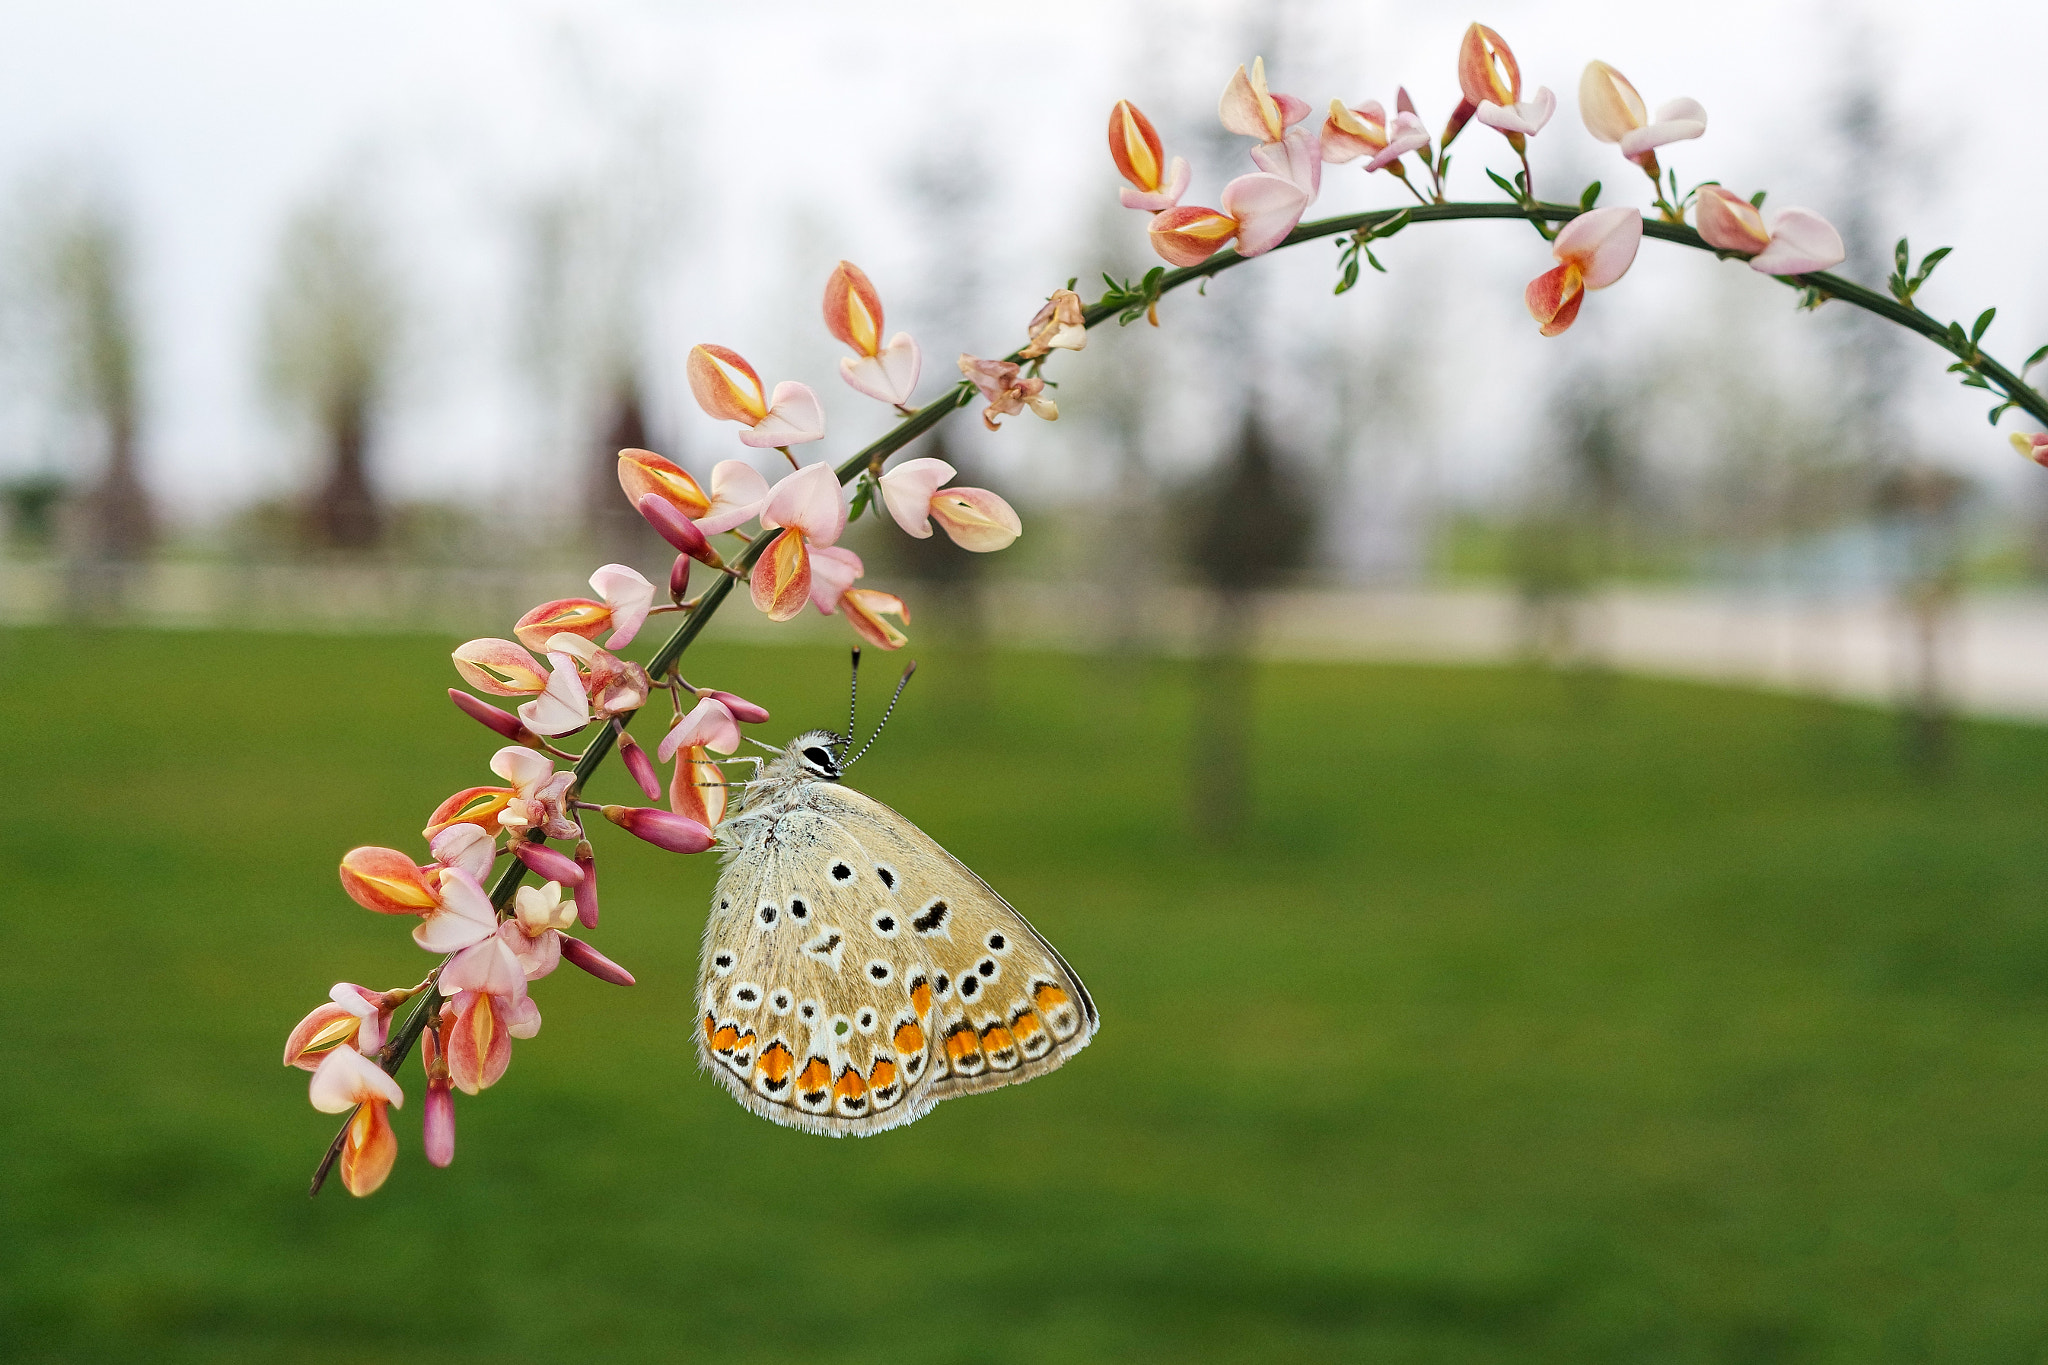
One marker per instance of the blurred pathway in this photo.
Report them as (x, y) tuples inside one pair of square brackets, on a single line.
[(1993, 652)]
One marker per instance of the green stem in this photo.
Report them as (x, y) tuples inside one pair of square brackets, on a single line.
[(872, 456)]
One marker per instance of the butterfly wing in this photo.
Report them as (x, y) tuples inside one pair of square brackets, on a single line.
[(855, 973)]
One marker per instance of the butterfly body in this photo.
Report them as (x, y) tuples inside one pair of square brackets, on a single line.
[(854, 973)]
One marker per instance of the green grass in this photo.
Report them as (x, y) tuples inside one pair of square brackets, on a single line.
[(1530, 1020)]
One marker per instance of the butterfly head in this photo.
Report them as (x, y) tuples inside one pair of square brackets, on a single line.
[(819, 753)]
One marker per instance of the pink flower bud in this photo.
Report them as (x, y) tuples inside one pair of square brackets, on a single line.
[(640, 765), (742, 710), (673, 527), (437, 1124), (663, 829), (679, 579), (556, 867), (586, 890), (477, 709), (597, 964)]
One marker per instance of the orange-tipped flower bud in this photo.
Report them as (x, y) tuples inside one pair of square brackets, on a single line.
[(853, 310), (1135, 147), (642, 472), (781, 580), (726, 386), (385, 880)]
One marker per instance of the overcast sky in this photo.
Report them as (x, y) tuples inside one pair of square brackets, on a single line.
[(781, 138)]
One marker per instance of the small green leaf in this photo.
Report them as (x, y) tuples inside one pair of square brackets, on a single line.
[(1902, 256), (1589, 196), (1756, 201), (1393, 225), (1999, 411), (1983, 324), (1506, 187), (2035, 359), (1975, 381)]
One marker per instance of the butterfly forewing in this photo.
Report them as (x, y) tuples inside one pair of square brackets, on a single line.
[(855, 973)]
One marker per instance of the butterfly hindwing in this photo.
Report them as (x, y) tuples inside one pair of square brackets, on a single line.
[(855, 973)]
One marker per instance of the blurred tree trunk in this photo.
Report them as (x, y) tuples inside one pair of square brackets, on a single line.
[(616, 531), (330, 337), (1250, 524), (113, 526)]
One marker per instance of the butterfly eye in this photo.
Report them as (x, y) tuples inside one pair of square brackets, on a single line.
[(818, 758)]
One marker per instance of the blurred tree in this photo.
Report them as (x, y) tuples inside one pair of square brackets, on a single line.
[(330, 335), (91, 284), (588, 259), (1571, 536), (1248, 522)]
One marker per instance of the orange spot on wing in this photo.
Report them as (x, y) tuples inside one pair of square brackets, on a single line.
[(996, 1038), (849, 1086), (776, 1062), (710, 1027), (725, 1039), (961, 1044), (816, 1076), (921, 1001), (1025, 1026), (909, 1039), (882, 1074), (1048, 996)]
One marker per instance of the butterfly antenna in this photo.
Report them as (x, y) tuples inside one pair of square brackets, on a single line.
[(853, 696), (901, 683)]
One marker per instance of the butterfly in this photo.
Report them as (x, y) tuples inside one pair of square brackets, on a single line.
[(854, 973)]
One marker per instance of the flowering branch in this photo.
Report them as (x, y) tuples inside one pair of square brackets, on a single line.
[(465, 1013)]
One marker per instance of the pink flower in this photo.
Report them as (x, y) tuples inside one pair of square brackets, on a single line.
[(833, 571), (1258, 212), (628, 598), (1614, 112), (534, 800), (806, 506), (642, 472), (727, 387), (1247, 107), (562, 709), (453, 909), (975, 518), (499, 667), (1059, 326), (864, 609), (614, 686), (1525, 118), (737, 492), (1793, 242), (1007, 389), (348, 1080), (1140, 159), (486, 988), (853, 314), (696, 787), (2034, 446), (534, 933), (1362, 130), (709, 725), (354, 1015), (1593, 251)]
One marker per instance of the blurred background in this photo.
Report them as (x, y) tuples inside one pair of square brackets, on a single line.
[(1554, 827)]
